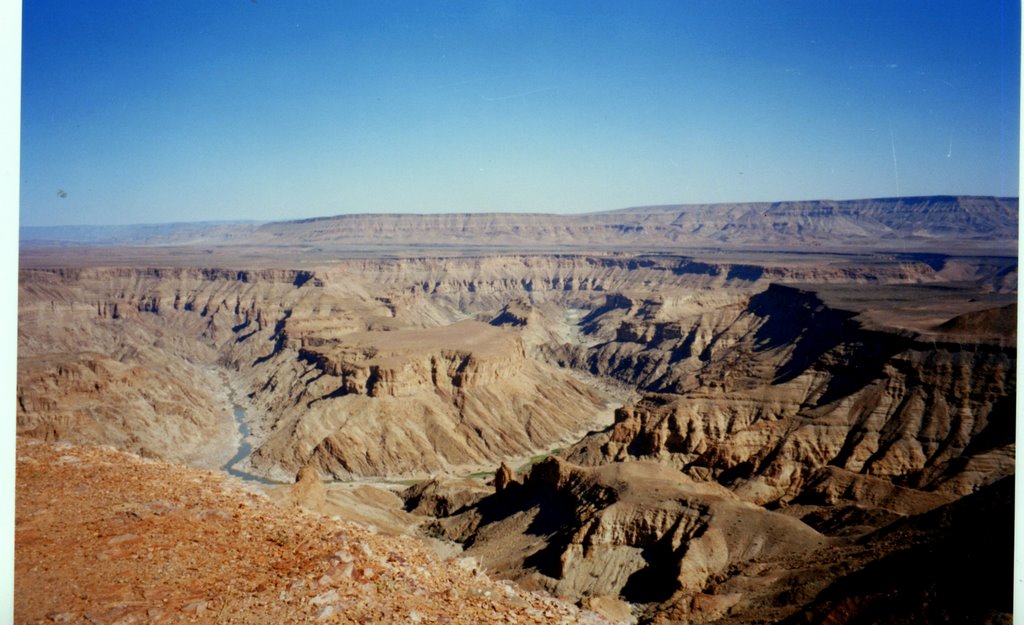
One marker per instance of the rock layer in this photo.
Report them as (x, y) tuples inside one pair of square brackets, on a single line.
[(637, 530), (756, 395)]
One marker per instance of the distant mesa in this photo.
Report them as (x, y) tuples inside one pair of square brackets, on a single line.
[(896, 224)]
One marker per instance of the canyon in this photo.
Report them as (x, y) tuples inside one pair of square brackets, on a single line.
[(701, 414)]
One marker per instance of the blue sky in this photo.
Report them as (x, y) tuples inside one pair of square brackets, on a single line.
[(141, 112)]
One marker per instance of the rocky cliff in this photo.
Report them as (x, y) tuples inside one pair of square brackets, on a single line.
[(757, 394), (328, 369), (416, 401), (684, 551), (639, 531)]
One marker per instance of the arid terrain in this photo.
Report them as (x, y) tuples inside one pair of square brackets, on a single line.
[(798, 412)]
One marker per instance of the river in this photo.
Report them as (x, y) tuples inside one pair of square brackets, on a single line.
[(244, 449)]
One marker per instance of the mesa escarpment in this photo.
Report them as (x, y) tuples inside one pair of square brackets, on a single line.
[(430, 399), (958, 223), (464, 355), (783, 407)]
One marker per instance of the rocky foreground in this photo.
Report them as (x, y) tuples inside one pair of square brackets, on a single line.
[(107, 537)]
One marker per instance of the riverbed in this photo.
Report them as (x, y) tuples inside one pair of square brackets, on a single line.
[(244, 449)]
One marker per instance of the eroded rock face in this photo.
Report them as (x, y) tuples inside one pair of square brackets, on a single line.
[(936, 560), (763, 394), (412, 401), (693, 552), (356, 379), (134, 358), (91, 368), (636, 530), (773, 399), (400, 363), (437, 498), (157, 409), (318, 351)]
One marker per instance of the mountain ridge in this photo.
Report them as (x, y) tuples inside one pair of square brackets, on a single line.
[(918, 223)]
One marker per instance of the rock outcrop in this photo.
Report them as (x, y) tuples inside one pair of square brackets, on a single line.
[(953, 564), (636, 530), (415, 401), (503, 478), (442, 498), (689, 552)]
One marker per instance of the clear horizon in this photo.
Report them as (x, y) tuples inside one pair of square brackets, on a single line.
[(149, 113), (413, 213)]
